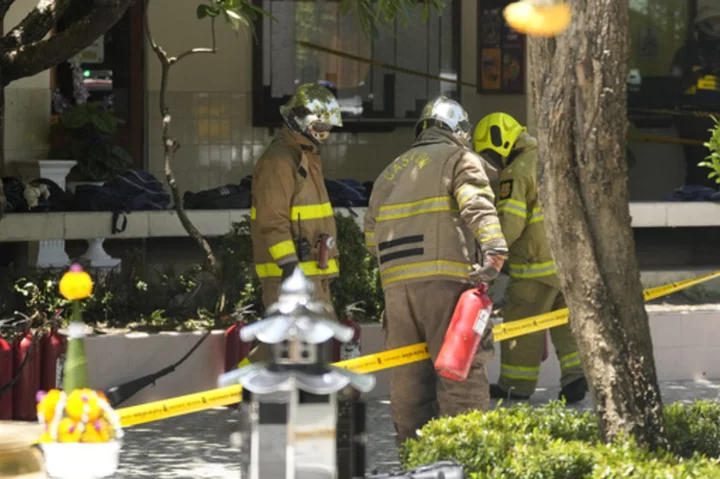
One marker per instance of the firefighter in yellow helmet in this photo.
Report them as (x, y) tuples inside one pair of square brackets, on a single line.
[(428, 210), (534, 287), (292, 222)]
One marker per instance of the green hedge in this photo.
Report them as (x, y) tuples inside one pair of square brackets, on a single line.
[(169, 299), (554, 442)]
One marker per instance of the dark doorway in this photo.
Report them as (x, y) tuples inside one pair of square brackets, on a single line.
[(114, 67)]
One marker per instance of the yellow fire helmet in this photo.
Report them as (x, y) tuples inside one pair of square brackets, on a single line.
[(497, 132)]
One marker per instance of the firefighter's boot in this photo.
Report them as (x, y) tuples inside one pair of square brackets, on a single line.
[(496, 392), (575, 391)]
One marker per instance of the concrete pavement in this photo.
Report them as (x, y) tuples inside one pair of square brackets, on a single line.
[(199, 445)]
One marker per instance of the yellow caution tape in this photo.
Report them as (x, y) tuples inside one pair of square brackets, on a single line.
[(541, 322), (190, 403), (154, 411), (386, 359)]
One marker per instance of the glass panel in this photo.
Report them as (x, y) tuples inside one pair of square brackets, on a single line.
[(364, 91), (658, 28)]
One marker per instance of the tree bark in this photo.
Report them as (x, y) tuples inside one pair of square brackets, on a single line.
[(36, 24), (171, 145), (578, 84), (31, 58)]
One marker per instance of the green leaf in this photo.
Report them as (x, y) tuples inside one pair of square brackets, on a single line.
[(236, 20), (122, 158), (259, 11), (104, 123), (77, 117), (203, 11)]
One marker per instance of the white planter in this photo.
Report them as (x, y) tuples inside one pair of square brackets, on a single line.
[(95, 254), (76, 460)]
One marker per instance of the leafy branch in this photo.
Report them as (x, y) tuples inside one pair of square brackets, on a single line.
[(713, 159), (237, 14)]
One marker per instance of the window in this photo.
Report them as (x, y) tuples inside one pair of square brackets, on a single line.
[(371, 97), (658, 29)]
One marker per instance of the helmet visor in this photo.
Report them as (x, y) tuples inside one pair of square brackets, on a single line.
[(321, 127)]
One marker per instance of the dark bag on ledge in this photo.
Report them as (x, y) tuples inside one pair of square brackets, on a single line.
[(228, 197)]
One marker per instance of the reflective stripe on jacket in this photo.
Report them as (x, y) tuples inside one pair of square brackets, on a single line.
[(289, 189), (521, 217), (427, 210)]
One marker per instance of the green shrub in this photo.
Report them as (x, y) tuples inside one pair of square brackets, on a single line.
[(359, 280), (553, 441), (167, 299), (713, 159)]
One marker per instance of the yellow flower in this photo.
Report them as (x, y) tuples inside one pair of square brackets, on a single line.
[(76, 283)]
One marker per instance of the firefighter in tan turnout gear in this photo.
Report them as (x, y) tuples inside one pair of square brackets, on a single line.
[(292, 221), (428, 211), (534, 287)]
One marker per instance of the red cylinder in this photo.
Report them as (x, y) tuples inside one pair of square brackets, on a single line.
[(28, 383), (53, 346), (464, 333), (235, 349), (6, 375)]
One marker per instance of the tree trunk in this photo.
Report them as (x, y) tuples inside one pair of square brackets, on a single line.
[(579, 97)]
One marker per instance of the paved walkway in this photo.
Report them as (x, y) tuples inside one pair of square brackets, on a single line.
[(199, 445)]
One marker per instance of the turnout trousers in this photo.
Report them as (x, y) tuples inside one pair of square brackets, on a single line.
[(520, 357), (418, 312)]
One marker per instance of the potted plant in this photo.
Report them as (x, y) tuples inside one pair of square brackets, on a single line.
[(84, 132)]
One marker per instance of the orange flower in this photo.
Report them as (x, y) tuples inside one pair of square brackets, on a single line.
[(76, 284)]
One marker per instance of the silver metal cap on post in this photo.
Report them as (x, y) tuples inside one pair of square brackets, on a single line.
[(289, 439)]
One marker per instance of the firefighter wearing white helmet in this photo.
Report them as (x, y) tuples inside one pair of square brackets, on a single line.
[(292, 221), (534, 287), (429, 210), (698, 65)]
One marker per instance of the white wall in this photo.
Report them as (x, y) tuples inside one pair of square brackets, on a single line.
[(27, 105)]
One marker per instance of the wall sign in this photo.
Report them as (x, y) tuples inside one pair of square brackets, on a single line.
[(95, 53), (500, 53)]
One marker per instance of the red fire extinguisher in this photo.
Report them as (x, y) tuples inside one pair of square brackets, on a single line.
[(235, 348), (6, 377), (27, 362), (464, 333), (53, 346)]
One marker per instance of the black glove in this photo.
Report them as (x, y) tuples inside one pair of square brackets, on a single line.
[(483, 274), (288, 269), (492, 264)]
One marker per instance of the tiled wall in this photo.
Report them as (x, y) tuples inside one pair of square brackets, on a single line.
[(220, 146)]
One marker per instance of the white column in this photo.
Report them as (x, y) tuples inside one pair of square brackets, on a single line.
[(51, 253), (96, 254)]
